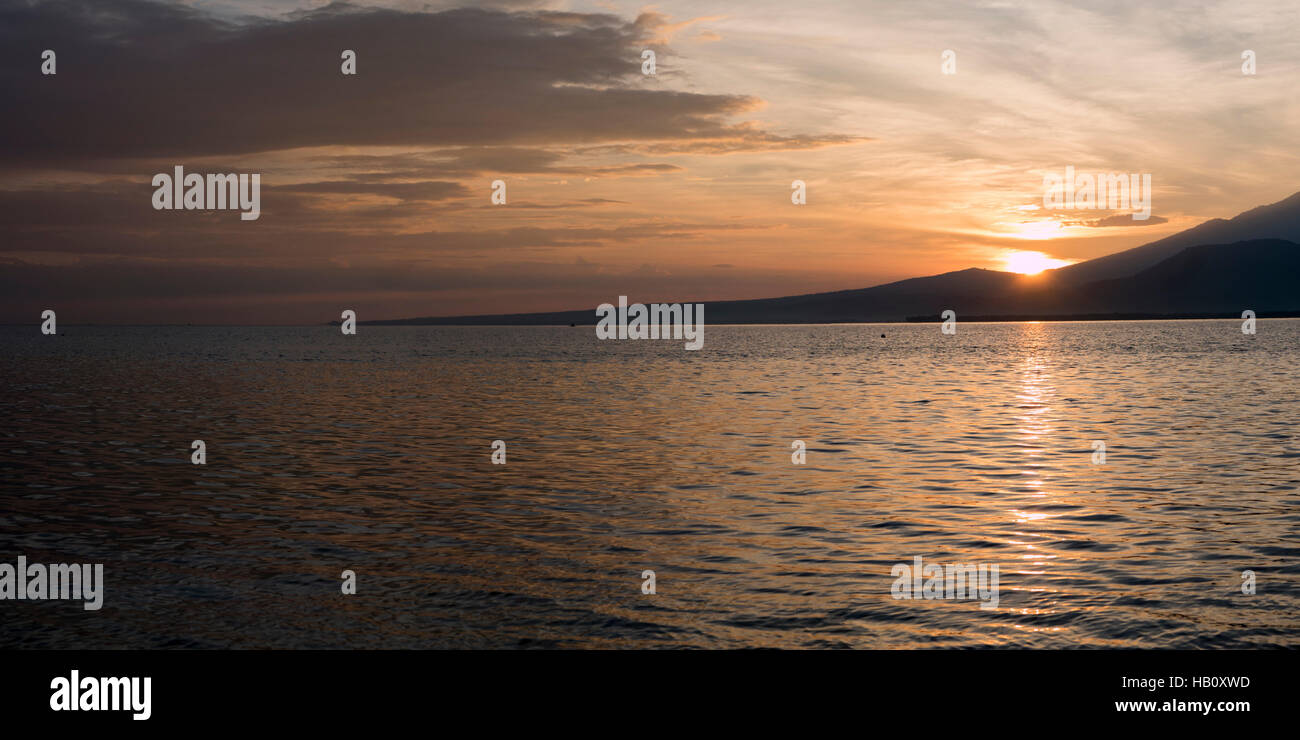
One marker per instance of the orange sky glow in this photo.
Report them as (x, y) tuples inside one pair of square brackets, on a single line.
[(676, 186)]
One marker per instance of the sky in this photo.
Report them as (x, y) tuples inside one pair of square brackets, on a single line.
[(376, 188)]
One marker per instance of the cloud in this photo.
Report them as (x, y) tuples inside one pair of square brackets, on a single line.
[(743, 138), (1123, 219), (141, 79), (407, 191), (657, 28)]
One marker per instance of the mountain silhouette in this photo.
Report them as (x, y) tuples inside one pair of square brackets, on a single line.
[(1262, 275), (1279, 220), (1220, 267)]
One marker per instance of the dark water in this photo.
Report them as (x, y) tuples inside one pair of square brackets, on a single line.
[(371, 453)]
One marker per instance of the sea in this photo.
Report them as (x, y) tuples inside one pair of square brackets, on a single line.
[(1135, 485)]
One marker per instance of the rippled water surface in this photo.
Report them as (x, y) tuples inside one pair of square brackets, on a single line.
[(371, 453)]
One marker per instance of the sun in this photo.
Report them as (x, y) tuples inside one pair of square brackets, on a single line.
[(1031, 263)]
